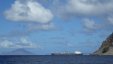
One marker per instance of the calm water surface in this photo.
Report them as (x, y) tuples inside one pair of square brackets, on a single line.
[(48, 59)]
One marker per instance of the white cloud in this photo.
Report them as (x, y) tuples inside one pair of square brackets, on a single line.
[(22, 43), (110, 19), (90, 7), (48, 26), (6, 44), (29, 11), (90, 24)]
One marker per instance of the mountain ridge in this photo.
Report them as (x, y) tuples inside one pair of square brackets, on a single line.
[(19, 51)]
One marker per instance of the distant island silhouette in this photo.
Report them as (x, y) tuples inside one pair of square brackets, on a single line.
[(20, 51)]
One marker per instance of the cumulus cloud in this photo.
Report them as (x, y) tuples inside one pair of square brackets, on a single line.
[(34, 15), (29, 11), (22, 43)]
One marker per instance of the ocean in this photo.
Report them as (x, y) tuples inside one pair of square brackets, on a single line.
[(58, 59)]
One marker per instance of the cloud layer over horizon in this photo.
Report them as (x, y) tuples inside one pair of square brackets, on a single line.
[(19, 43)]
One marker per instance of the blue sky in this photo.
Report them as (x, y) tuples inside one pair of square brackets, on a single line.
[(46, 26)]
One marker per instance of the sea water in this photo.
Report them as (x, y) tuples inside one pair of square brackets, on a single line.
[(55, 59)]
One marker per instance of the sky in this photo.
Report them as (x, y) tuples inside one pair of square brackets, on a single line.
[(46, 26)]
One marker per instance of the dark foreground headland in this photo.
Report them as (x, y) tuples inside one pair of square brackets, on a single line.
[(106, 47)]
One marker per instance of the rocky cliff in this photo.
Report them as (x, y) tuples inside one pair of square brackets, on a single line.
[(106, 47)]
